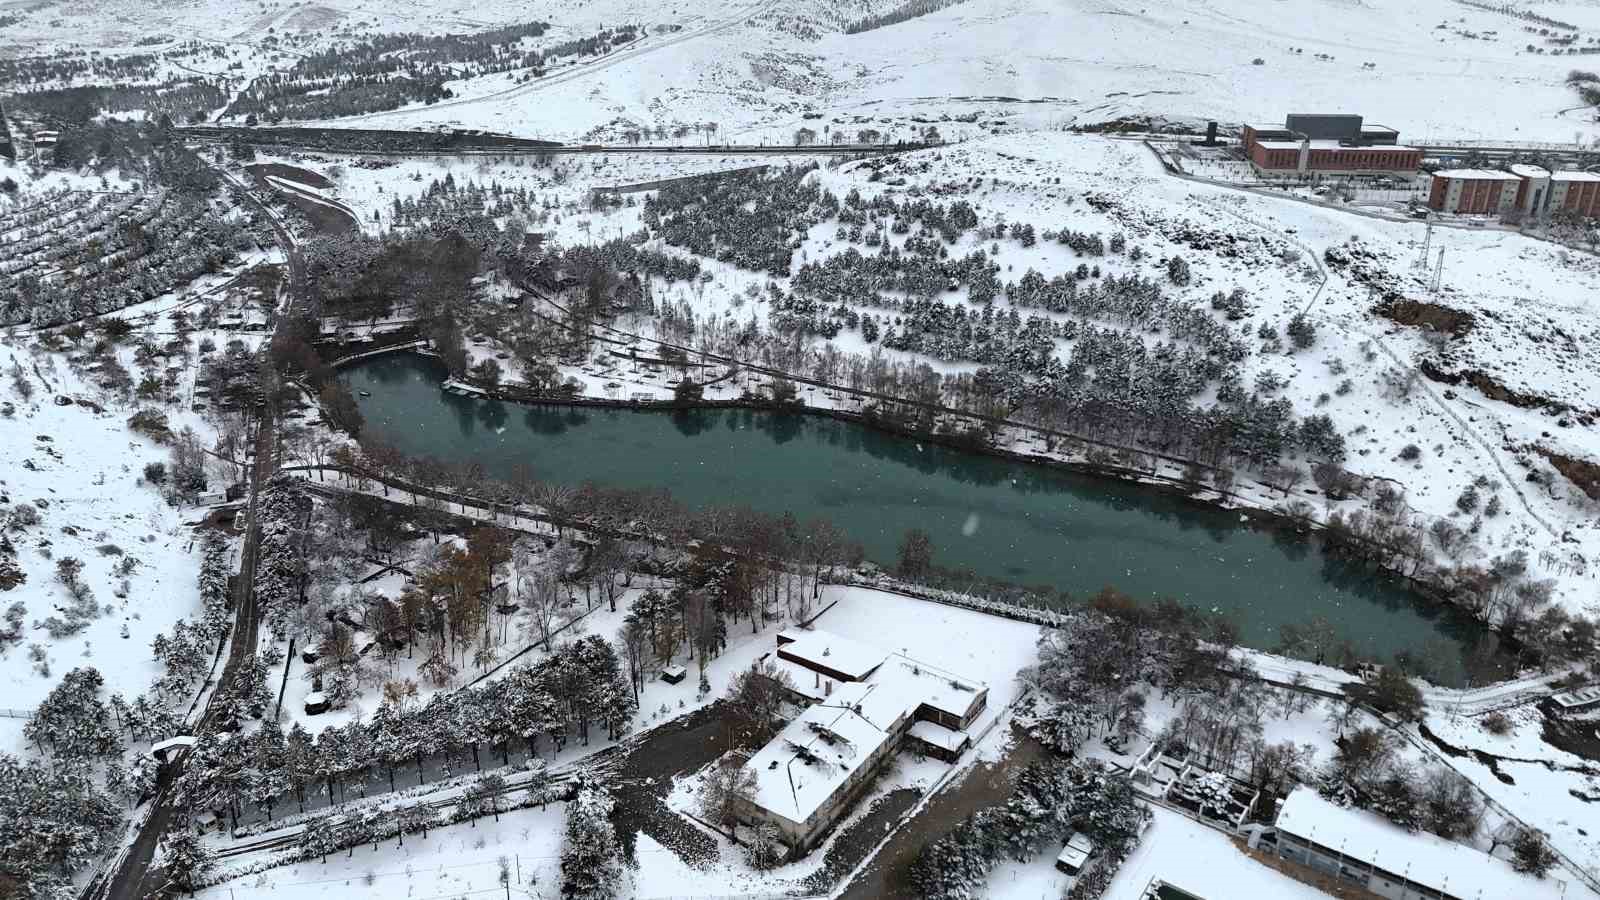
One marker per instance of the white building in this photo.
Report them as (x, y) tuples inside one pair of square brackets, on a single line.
[(865, 704), (1367, 850)]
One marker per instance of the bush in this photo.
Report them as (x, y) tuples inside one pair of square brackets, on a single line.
[(1530, 854), (1411, 453), (1468, 500), (156, 473), (1178, 271), (1497, 724), (23, 515), (1302, 332)]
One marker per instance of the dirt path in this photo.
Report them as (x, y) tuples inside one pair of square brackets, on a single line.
[(983, 785)]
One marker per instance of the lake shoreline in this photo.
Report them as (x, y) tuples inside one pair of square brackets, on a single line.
[(1251, 516)]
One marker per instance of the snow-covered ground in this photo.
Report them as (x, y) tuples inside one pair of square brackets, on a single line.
[(464, 860), (1176, 850), (757, 68), (1530, 301), (82, 470)]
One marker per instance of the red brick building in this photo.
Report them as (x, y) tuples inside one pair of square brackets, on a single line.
[(1528, 189), (1328, 145), (1575, 192), (1481, 192)]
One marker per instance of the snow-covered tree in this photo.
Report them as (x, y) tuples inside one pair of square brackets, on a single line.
[(591, 868), (184, 859), (72, 722)]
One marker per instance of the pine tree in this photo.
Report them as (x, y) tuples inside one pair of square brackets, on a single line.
[(590, 865), (184, 859)]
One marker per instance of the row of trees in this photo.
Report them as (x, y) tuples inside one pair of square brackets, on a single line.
[(578, 686), (386, 71)]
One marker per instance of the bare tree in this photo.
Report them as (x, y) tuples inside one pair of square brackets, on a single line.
[(728, 786), (539, 591), (634, 639)]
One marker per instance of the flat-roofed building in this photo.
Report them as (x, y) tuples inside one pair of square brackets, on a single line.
[(1473, 191), (1575, 192), (1321, 144), (1367, 851)]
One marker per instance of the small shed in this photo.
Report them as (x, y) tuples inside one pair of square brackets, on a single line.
[(316, 703), (170, 748), (1075, 855), (674, 674)]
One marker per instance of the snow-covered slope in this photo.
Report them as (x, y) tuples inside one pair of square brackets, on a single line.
[(1432, 68)]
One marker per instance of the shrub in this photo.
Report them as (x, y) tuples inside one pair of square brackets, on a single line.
[(1530, 854), (1178, 271), (1302, 332), (1411, 453), (155, 473), (1497, 724), (24, 515)]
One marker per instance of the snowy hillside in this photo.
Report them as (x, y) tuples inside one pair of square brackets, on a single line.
[(1433, 69)]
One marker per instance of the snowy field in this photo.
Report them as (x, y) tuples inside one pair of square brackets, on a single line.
[(81, 469), (462, 861), (757, 68)]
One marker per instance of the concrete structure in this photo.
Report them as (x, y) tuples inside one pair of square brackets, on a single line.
[(44, 146), (1579, 700), (1575, 192), (1316, 144), (1533, 187), (1530, 190), (1483, 192), (1369, 852), (862, 705)]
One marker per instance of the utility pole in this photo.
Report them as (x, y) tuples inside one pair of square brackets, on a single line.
[(1427, 242), (1438, 271)]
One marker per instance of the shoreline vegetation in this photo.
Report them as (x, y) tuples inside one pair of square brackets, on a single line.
[(1313, 641)]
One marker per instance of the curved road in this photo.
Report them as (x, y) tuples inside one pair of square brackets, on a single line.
[(130, 871)]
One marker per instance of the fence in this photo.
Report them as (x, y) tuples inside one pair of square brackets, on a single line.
[(16, 713)]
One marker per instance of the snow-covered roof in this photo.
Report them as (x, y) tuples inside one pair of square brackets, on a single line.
[(825, 649), (1524, 170), (1331, 145), (182, 740), (1422, 858), (1077, 851), (1475, 175), (1574, 176), (1580, 697), (938, 735), (815, 755), (920, 683)]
